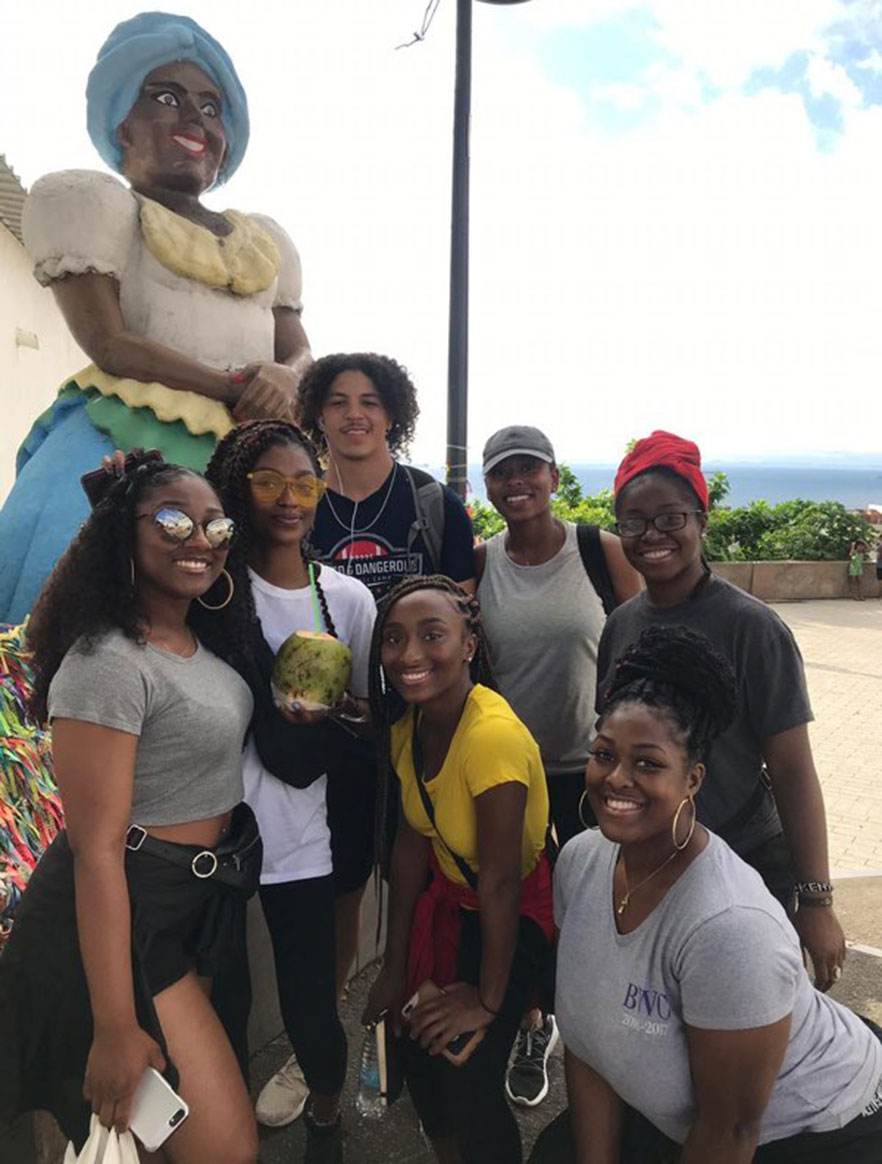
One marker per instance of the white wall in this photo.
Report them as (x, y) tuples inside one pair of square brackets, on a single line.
[(29, 379)]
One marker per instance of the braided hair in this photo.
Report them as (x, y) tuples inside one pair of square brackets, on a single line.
[(385, 704), (678, 672), (235, 456), (90, 591)]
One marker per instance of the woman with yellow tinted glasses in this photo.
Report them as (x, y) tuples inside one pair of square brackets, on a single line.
[(268, 474)]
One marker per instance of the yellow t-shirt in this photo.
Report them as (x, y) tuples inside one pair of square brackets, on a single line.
[(490, 746)]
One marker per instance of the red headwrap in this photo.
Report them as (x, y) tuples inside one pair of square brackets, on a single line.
[(664, 448)]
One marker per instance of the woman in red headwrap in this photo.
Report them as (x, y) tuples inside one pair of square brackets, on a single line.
[(764, 799)]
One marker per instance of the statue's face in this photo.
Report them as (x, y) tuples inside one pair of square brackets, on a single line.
[(173, 137)]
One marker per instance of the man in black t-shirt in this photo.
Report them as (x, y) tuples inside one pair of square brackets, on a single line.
[(379, 521)]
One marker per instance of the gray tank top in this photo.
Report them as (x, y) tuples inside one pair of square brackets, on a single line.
[(544, 623)]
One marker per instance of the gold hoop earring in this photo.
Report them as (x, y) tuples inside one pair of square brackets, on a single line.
[(686, 800), (229, 597), (585, 824)]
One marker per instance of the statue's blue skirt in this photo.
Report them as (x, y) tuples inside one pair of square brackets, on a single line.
[(47, 504)]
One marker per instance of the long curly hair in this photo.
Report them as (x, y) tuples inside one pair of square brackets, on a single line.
[(91, 591), (391, 380), (385, 705), (681, 674), (234, 458)]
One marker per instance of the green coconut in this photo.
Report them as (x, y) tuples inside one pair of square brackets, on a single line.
[(311, 668)]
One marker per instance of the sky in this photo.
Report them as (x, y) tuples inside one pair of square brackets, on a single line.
[(675, 203)]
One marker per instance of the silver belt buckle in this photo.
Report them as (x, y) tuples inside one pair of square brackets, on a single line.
[(212, 865), (135, 838)]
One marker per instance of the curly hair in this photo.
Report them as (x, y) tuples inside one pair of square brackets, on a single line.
[(235, 456), (383, 701), (391, 380), (90, 591), (680, 673)]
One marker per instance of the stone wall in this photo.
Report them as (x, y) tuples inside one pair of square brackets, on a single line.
[(791, 581)]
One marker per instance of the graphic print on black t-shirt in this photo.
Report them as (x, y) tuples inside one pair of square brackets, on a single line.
[(374, 561)]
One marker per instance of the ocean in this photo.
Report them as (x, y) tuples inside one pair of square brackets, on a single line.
[(854, 488)]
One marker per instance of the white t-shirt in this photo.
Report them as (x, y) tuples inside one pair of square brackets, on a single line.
[(293, 821)]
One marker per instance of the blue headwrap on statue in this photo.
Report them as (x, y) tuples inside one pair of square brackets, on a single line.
[(133, 50)]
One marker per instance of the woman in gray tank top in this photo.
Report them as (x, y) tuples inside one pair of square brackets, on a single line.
[(542, 588)]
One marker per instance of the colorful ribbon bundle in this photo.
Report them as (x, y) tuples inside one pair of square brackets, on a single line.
[(30, 807)]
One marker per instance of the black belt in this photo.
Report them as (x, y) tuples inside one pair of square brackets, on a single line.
[(232, 865)]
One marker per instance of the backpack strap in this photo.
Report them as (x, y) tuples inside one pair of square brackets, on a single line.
[(428, 504), (416, 751), (594, 561)]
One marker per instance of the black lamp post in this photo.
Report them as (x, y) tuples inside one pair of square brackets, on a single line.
[(458, 338)]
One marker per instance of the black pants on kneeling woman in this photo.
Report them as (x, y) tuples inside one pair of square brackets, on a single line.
[(468, 1102)]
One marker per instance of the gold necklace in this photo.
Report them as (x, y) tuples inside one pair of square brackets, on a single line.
[(623, 904)]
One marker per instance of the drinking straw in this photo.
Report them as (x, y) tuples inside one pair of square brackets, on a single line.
[(316, 611)]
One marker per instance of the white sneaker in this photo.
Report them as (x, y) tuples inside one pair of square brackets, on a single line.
[(284, 1097)]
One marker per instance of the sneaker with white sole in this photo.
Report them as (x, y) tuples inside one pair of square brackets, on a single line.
[(526, 1081), (282, 1099)]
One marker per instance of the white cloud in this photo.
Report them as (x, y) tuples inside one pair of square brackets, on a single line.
[(825, 77)]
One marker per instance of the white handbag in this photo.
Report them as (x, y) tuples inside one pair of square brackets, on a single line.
[(104, 1147)]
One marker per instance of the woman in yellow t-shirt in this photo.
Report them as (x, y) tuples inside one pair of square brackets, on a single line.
[(473, 824)]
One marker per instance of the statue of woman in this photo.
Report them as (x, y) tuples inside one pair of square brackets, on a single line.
[(191, 317)]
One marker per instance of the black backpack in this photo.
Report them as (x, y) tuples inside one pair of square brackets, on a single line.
[(428, 504)]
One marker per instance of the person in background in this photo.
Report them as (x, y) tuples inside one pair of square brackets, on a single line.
[(856, 558), (378, 521), (693, 1034), (143, 893), (268, 475), (544, 586), (473, 822), (764, 798)]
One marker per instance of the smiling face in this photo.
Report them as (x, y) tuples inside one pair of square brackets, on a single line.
[(286, 519), (426, 647), (638, 774), (354, 421), (662, 557), (520, 487), (173, 137), (175, 569)]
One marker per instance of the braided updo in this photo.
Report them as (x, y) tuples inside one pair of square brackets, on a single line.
[(682, 674)]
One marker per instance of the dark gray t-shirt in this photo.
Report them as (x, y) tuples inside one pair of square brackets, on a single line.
[(717, 953), (191, 716), (771, 685)]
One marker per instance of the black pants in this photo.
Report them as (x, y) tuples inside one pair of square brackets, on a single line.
[(859, 1142), (773, 862), (469, 1102), (300, 918)]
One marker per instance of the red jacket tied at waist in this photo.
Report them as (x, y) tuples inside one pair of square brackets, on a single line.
[(435, 930)]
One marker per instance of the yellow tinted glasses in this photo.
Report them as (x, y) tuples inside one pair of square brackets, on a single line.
[(268, 485)]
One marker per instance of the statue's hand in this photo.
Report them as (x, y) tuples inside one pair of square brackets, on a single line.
[(269, 392)]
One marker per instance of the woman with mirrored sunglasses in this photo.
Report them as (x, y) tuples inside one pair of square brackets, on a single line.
[(269, 478), (764, 798), (142, 894)]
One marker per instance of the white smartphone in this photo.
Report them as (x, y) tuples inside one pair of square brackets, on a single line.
[(157, 1110)]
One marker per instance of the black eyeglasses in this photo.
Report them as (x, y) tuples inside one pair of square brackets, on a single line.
[(177, 526), (635, 527)]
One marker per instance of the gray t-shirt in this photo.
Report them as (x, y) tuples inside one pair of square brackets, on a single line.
[(543, 624), (771, 688), (717, 953), (191, 716)]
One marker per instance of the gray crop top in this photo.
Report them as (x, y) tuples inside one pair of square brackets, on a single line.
[(191, 716)]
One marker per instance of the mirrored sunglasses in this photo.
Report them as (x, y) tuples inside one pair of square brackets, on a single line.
[(268, 485), (177, 526)]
